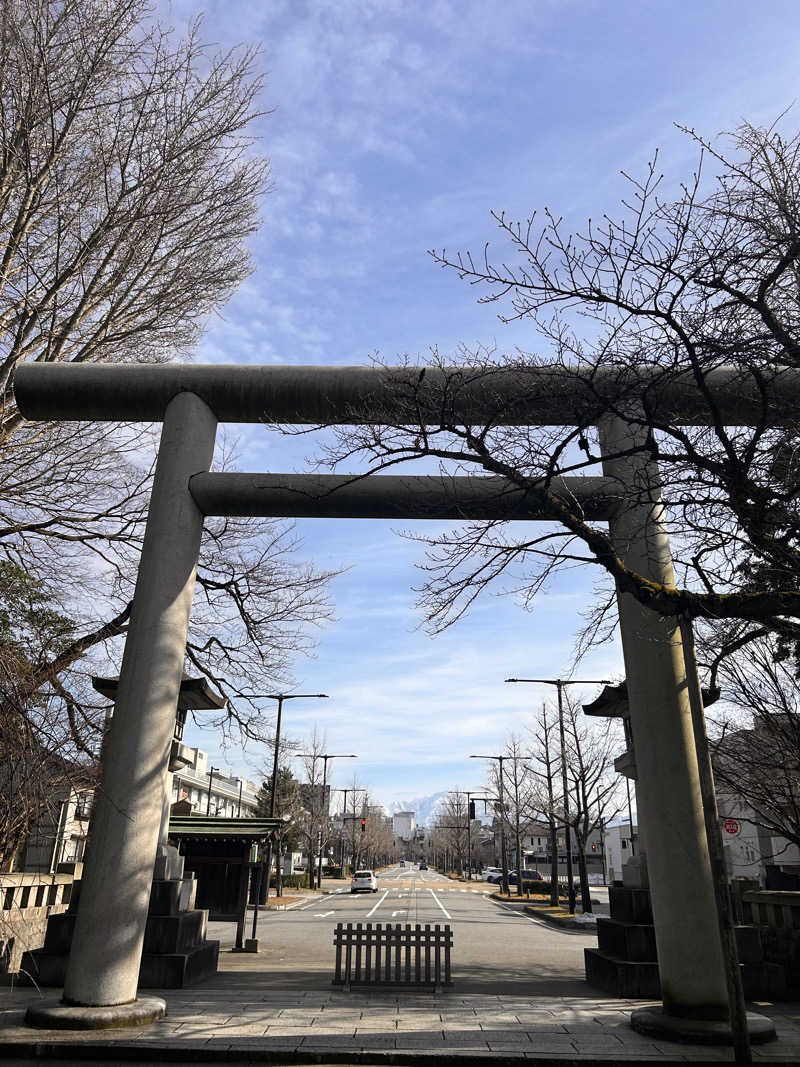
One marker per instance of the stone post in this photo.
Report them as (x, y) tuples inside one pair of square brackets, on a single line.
[(690, 955), (106, 951)]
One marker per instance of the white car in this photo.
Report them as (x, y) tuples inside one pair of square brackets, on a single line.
[(488, 872), (364, 882)]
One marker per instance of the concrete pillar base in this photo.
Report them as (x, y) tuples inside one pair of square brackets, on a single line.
[(654, 1022), (56, 1015)]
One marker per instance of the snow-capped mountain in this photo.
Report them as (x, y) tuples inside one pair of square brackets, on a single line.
[(425, 808)]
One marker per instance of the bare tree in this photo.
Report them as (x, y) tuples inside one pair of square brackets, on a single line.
[(595, 788), (756, 735), (129, 185), (668, 292), (450, 828), (544, 753), (520, 798)]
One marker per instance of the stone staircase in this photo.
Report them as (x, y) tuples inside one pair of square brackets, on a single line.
[(625, 962), (176, 951)]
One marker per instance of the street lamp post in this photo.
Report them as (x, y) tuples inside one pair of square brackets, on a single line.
[(267, 862), (210, 780), (501, 797), (352, 818), (324, 757), (559, 683)]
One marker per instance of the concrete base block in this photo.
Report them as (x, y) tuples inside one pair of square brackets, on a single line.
[(654, 1022), (628, 941), (168, 865), (180, 969), (634, 872), (620, 977), (59, 1016)]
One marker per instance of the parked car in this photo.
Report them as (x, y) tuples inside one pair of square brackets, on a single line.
[(527, 876), (496, 877), (364, 882), (488, 874), (423, 866)]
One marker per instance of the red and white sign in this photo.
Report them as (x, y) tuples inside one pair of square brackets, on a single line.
[(731, 826)]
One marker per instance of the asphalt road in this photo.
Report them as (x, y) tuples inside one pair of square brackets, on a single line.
[(496, 948)]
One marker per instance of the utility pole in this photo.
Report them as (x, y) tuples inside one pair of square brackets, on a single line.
[(469, 794), (501, 796), (267, 862), (346, 818), (559, 683)]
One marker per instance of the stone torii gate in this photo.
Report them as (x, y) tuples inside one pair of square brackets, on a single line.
[(190, 400)]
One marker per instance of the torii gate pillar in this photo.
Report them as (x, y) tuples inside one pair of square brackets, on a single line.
[(103, 969)]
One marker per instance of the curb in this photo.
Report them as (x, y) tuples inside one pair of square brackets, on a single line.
[(564, 922), (154, 1052)]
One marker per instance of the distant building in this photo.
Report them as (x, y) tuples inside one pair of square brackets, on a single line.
[(621, 841), (230, 797), (404, 824), (59, 833)]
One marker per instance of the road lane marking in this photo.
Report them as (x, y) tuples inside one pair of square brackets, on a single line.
[(402, 911), (312, 904), (323, 914), (536, 922), (385, 895), (444, 909)]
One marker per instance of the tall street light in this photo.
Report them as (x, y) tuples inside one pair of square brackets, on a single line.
[(353, 817), (324, 756), (501, 797), (559, 683), (280, 697), (210, 780)]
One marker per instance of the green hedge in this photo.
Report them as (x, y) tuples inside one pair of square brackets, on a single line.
[(292, 881)]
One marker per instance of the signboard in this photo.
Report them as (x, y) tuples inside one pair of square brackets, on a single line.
[(731, 826)]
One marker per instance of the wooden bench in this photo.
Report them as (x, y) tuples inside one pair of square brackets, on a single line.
[(383, 954)]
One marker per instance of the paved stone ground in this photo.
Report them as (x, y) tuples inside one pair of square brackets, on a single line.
[(213, 1023), (246, 1014)]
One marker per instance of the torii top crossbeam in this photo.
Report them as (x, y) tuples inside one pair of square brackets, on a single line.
[(307, 395)]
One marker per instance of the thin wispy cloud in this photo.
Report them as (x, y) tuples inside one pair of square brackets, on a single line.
[(397, 127)]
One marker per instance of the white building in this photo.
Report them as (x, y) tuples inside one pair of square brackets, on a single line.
[(750, 849), (404, 823), (620, 842), (229, 797)]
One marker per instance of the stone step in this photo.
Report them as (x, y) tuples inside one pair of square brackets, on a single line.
[(620, 977), (44, 967), (177, 970), (627, 940), (175, 933), (630, 905)]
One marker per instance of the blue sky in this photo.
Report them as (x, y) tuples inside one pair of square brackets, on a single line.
[(397, 127)]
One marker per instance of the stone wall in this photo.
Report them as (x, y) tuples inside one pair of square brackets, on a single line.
[(26, 902)]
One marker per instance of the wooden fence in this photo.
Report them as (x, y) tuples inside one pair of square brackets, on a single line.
[(380, 954)]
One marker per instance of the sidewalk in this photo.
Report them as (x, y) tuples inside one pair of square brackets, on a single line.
[(252, 1012), (239, 1016)]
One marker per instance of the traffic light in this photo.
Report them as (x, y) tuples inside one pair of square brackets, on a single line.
[(472, 809), (594, 848), (363, 825)]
